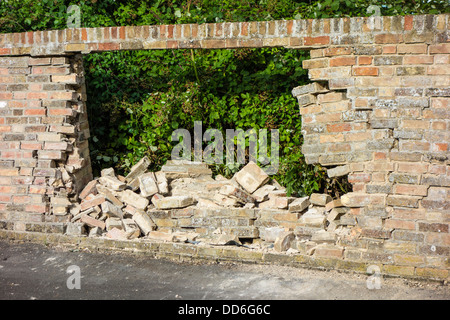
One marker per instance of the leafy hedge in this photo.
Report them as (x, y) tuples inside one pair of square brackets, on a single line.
[(136, 99)]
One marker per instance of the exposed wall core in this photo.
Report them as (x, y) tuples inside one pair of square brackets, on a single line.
[(377, 111)]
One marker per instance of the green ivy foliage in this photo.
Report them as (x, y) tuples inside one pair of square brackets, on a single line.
[(136, 99)]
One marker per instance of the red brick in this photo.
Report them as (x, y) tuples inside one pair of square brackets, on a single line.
[(37, 95), (38, 208), (408, 25), (30, 145), (412, 190), (108, 46), (399, 224), (333, 252), (365, 60), (321, 40), (97, 200), (122, 33), (339, 127), (34, 112), (418, 59), (365, 71), (440, 48), (342, 61)]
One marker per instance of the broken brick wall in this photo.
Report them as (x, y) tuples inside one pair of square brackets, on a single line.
[(377, 111), (44, 155), (382, 117)]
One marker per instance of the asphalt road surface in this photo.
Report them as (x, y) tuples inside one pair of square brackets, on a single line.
[(33, 271)]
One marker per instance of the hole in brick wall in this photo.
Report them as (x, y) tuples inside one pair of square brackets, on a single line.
[(128, 90), (139, 193)]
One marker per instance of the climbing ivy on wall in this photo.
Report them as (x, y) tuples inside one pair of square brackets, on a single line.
[(136, 99)]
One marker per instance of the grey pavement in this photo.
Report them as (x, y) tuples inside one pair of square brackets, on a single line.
[(34, 271)]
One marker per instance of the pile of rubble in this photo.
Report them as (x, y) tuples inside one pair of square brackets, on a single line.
[(182, 202)]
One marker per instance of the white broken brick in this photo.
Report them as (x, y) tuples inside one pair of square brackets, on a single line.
[(271, 234), (109, 195), (313, 218), (320, 199), (144, 222), (185, 236), (226, 239), (336, 213), (206, 203), (114, 223), (162, 236), (131, 229), (75, 229), (111, 210), (156, 198), (323, 236), (262, 194), (299, 204), (95, 232), (338, 171), (108, 172), (277, 193), (225, 201), (134, 199), (232, 191), (306, 99), (147, 184), (174, 202), (283, 242), (112, 183), (251, 177), (163, 185), (313, 88), (133, 184), (138, 169), (117, 234), (276, 203), (333, 204)]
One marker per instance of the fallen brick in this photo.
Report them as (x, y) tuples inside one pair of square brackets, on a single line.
[(174, 202), (320, 199), (225, 201), (111, 210), (138, 169), (91, 222), (131, 229), (88, 189), (283, 242), (117, 234), (109, 195), (147, 184), (229, 190), (271, 234), (144, 222), (298, 205), (112, 183), (95, 201), (161, 236), (262, 194), (206, 203), (251, 177), (134, 199), (114, 223)]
